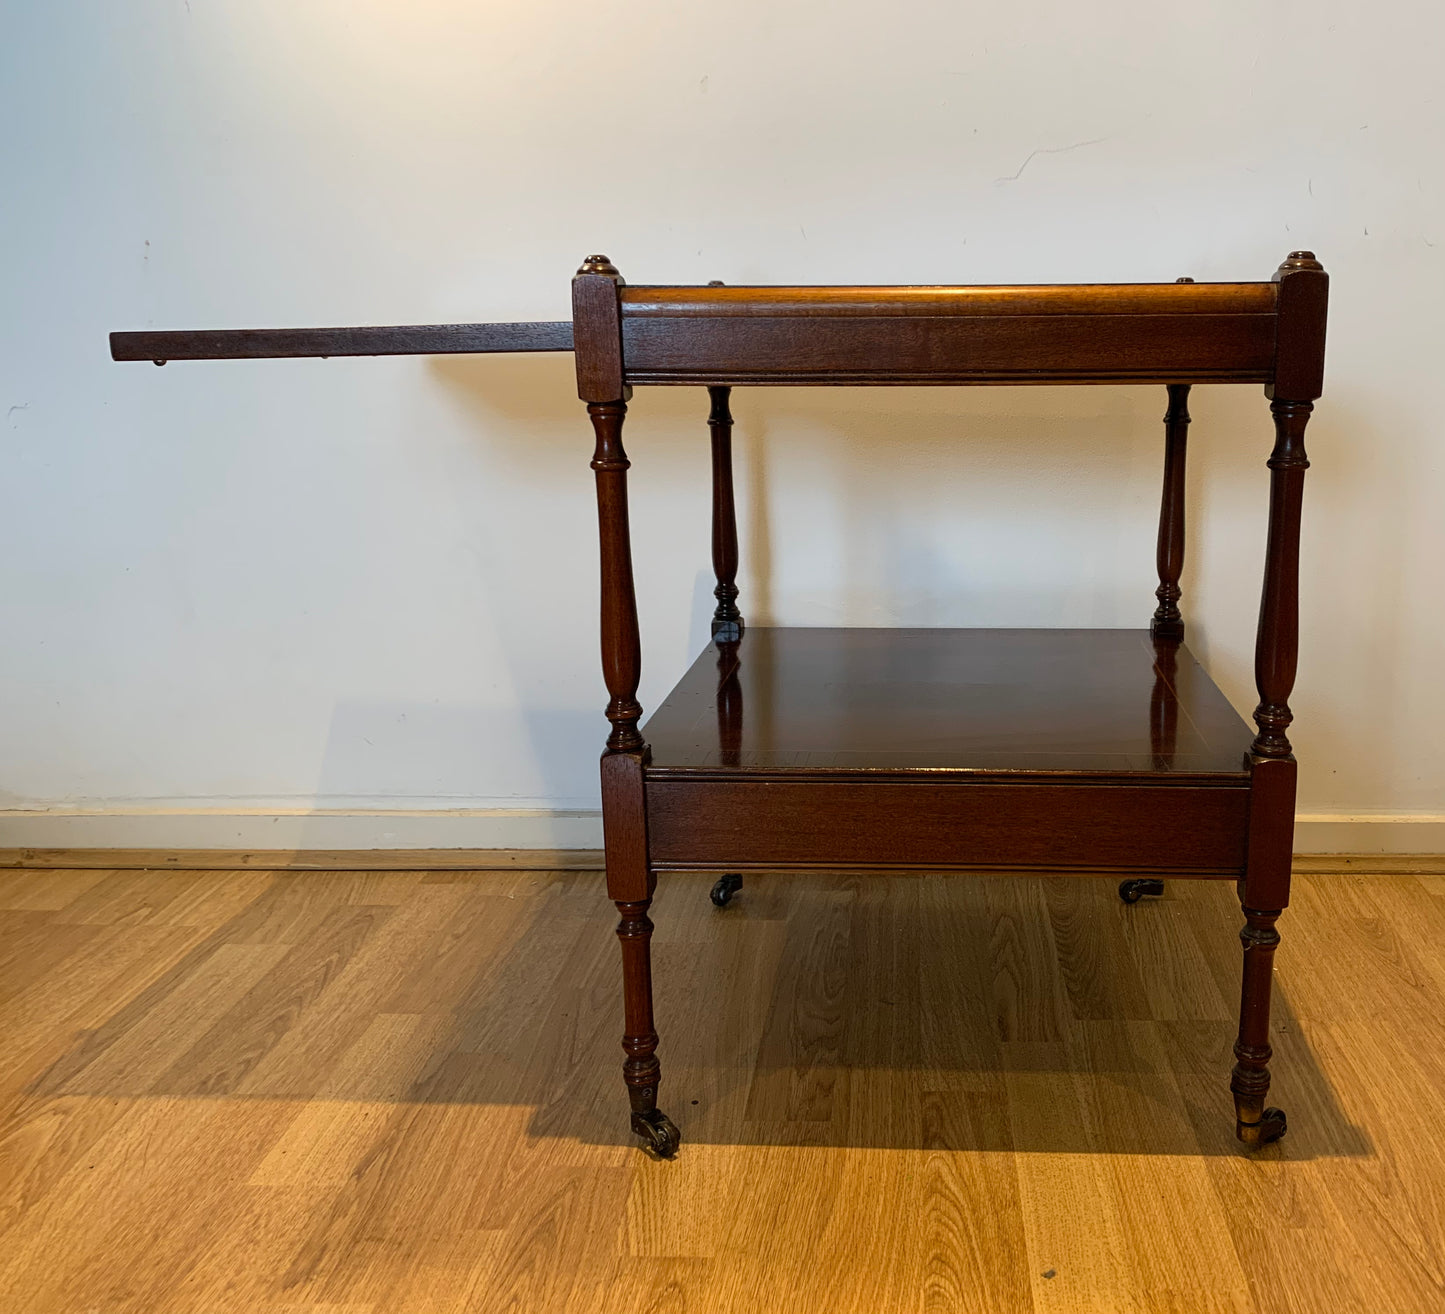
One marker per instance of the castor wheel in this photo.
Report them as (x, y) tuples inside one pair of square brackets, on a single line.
[(1269, 1128), (659, 1135), (726, 887), (1134, 890)]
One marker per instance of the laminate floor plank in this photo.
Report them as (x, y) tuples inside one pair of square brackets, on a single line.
[(1163, 942), (41, 1142), (958, 1038), (799, 1084), (399, 1093), (1346, 957), (1075, 1240), (128, 898), (214, 899), (1100, 974), (126, 1244), (129, 1061), (242, 1265), (236, 1042), (387, 944), (333, 1132), (40, 1022), (1028, 992), (1183, 1252), (289, 904), (32, 945), (973, 1259), (24, 890), (636, 1285)]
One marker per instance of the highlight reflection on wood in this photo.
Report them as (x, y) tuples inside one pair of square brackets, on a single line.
[(393, 1093)]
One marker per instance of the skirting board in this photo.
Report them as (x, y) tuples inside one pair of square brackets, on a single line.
[(488, 830), (1366, 832), (304, 859), (301, 831), (475, 860)]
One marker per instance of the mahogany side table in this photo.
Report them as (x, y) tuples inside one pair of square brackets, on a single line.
[(1081, 751), (1068, 751)]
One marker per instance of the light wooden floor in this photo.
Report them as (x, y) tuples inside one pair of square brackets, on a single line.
[(381, 1093)]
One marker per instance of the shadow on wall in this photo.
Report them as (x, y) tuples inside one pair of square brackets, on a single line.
[(954, 506), (884, 489), (897, 505), (380, 753)]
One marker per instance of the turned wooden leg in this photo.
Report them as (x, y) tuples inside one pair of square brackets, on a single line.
[(641, 1070), (727, 620), (1276, 645), (621, 642), (1255, 1125), (1168, 623)]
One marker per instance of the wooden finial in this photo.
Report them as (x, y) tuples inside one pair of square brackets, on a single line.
[(1299, 355), (600, 264), (597, 331)]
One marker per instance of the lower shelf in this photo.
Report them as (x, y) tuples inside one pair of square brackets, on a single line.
[(1016, 701), (1085, 749)]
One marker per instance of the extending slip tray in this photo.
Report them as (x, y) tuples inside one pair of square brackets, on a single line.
[(1084, 749)]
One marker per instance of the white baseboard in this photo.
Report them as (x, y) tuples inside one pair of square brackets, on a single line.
[(1369, 832), (480, 828), (504, 828)]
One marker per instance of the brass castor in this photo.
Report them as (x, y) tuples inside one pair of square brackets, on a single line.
[(1269, 1128), (726, 887), (659, 1135), (1133, 890)]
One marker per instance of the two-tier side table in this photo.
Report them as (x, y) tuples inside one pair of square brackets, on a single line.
[(1067, 751), (1043, 750)]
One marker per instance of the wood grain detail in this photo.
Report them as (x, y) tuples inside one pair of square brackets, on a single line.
[(811, 302), (382, 340), (916, 824), (950, 350)]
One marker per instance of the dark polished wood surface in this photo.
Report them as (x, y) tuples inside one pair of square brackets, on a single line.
[(1090, 333), (947, 821), (950, 349), (1066, 701), (379, 340), (1168, 621)]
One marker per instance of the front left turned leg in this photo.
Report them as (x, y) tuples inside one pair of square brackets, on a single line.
[(1255, 1125), (641, 1070)]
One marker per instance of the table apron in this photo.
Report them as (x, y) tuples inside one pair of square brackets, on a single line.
[(714, 824)]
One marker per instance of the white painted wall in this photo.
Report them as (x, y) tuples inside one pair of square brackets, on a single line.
[(238, 590)]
